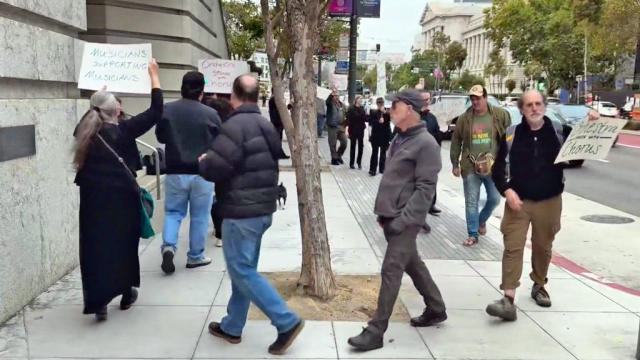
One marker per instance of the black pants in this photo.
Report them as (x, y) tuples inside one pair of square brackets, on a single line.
[(373, 165), (217, 219), (402, 256), (352, 150)]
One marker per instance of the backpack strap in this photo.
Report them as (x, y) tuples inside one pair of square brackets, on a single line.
[(510, 133)]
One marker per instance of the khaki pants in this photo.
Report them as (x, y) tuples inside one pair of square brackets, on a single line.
[(544, 217)]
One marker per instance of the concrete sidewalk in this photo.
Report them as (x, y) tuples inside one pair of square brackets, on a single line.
[(588, 320)]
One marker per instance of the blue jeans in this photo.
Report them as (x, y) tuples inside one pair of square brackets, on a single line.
[(196, 194), (241, 247), (322, 119), (472, 184)]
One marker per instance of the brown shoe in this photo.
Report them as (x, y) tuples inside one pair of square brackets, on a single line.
[(503, 309), (541, 296), (216, 330)]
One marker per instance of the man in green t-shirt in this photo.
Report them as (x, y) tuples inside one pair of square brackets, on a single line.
[(478, 131)]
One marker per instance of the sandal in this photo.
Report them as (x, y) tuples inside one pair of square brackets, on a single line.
[(482, 229), (470, 241)]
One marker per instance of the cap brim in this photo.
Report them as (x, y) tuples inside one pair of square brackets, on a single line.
[(392, 97)]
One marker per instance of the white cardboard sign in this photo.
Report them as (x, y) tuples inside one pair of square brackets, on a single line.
[(220, 74), (591, 140), (122, 68)]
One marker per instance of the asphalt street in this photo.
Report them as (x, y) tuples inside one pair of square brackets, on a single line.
[(614, 182)]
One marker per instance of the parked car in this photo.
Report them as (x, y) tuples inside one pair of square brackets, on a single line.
[(553, 115), (605, 108), (553, 100), (451, 124), (509, 100)]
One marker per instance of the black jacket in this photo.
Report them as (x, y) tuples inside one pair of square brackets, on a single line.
[(332, 120), (432, 126), (356, 121), (187, 128), (274, 115), (101, 168), (243, 163), (380, 133), (533, 173)]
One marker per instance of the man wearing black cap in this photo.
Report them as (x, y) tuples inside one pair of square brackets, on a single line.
[(404, 198), (187, 129)]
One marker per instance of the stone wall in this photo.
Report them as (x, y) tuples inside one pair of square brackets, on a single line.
[(38, 221), (40, 52)]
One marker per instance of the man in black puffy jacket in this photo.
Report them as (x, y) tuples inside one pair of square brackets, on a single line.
[(243, 162)]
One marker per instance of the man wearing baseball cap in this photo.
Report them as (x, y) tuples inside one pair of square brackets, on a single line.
[(474, 145), (404, 198)]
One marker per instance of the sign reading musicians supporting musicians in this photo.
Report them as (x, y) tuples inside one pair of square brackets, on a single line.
[(591, 140), (220, 74), (122, 68)]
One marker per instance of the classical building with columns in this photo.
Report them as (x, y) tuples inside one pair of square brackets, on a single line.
[(464, 22)]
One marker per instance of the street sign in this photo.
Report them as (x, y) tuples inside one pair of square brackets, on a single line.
[(343, 55), (368, 8), (344, 40), (342, 67), (340, 8)]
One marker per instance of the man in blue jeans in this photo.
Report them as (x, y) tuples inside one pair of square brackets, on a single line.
[(187, 128), (473, 146), (243, 162)]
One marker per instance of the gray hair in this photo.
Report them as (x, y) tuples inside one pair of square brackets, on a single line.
[(531, 91), (106, 103)]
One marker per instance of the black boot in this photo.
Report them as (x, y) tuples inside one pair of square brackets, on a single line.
[(335, 162), (428, 318), (366, 341), (128, 298), (285, 340), (434, 211), (101, 314)]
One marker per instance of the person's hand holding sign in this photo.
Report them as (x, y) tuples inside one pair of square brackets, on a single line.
[(202, 157), (593, 115), (153, 73)]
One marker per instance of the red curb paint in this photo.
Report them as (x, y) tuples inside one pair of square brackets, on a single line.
[(629, 140), (574, 268)]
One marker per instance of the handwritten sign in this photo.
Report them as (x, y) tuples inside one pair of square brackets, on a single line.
[(122, 68), (322, 93), (591, 140), (220, 74), (339, 82)]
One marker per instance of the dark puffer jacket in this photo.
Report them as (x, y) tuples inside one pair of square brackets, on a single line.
[(243, 164)]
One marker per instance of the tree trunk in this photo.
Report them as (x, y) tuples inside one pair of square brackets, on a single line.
[(316, 275)]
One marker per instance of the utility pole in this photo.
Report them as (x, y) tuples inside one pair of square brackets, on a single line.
[(585, 67), (353, 51)]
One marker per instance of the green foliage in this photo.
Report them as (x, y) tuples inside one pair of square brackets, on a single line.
[(511, 85), (244, 27), (370, 79), (466, 81), (455, 55), (496, 69)]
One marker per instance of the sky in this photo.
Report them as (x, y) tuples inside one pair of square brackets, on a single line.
[(397, 26)]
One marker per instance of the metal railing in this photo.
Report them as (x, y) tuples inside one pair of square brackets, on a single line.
[(156, 154)]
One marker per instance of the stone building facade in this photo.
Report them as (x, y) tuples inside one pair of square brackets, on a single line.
[(40, 54), (464, 22)]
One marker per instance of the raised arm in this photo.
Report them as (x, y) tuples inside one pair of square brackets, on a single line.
[(141, 123)]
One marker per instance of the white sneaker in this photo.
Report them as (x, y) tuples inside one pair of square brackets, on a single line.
[(197, 263), (219, 242)]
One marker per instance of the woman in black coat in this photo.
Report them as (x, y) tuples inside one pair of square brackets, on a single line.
[(356, 124), (110, 213), (380, 123)]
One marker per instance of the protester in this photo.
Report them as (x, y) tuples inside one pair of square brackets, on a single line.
[(243, 162), (224, 109), (274, 116), (335, 127), (187, 128), (380, 124), (110, 211), (356, 124), (533, 186), (434, 129), (404, 197), (474, 146), (321, 115), (264, 100)]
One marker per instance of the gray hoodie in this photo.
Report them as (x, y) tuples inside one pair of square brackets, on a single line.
[(409, 181)]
